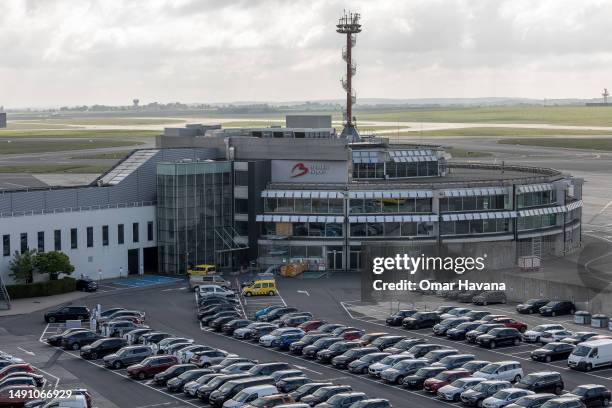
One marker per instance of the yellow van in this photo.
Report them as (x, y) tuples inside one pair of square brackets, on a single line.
[(260, 288), (202, 270)]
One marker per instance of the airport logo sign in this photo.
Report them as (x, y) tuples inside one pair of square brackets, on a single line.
[(309, 171), (315, 169)]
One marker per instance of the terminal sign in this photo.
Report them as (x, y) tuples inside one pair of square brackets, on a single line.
[(333, 171)]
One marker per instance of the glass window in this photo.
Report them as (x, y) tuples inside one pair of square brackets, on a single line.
[(135, 231), (41, 241), (320, 205), (409, 229), (316, 229), (358, 230), (300, 229), (73, 238), (393, 229), (270, 204), (120, 234), (90, 238), (356, 206), (241, 206), (375, 229), (105, 235), (57, 238), (24, 241), (303, 205), (372, 206), (241, 178), (6, 245), (333, 229), (150, 231)]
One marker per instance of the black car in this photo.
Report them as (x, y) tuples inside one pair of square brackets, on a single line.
[(542, 382), (176, 384), (361, 365), (441, 328), (404, 345), (482, 329), (592, 395), (308, 389), (578, 337), (290, 384), (501, 336), (226, 313), (325, 393), (531, 306), (76, 340), (531, 401), (205, 390), (326, 355), (459, 332), (297, 346), (214, 309), (415, 381), (86, 285), (565, 401), (558, 308), (277, 313), (218, 323), (68, 313), (396, 318), (552, 351), (232, 325), (154, 337), (444, 309), (343, 360), (172, 372), (321, 344), (475, 395), (101, 348), (421, 320), (259, 332), (372, 403), (384, 342), (56, 339), (268, 368)]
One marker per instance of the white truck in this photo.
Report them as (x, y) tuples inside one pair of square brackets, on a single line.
[(591, 354)]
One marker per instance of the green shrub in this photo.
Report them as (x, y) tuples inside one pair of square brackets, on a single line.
[(49, 288)]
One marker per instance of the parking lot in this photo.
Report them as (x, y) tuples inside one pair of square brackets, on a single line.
[(172, 309)]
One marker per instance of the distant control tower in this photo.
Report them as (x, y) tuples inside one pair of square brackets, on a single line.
[(349, 25)]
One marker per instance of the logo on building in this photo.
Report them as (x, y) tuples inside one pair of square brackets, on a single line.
[(315, 169), (299, 170)]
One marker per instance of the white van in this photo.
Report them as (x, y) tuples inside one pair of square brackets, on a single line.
[(591, 354), (74, 401), (249, 395)]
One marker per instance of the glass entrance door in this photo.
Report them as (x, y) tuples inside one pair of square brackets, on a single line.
[(334, 258)]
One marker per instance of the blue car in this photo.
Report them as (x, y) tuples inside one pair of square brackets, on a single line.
[(284, 341), (264, 311)]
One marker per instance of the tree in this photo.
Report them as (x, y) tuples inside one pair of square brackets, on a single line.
[(22, 266), (53, 263)]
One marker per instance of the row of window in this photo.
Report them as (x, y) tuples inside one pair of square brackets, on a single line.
[(536, 199), (389, 205), (304, 205), (334, 230), (74, 235), (480, 203), (395, 170), (537, 222), (496, 226)]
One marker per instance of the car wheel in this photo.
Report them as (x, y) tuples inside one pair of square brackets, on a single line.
[(479, 404), (548, 359), (485, 303), (94, 356), (605, 402), (456, 398), (76, 346), (588, 367), (530, 311), (503, 301), (492, 345), (117, 365), (400, 379), (517, 379), (51, 319), (248, 294), (517, 342), (271, 293), (559, 390), (364, 370), (141, 375)]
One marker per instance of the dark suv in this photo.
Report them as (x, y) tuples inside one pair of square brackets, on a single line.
[(101, 348), (531, 306), (67, 313), (542, 382), (396, 318), (421, 320), (472, 335), (558, 308), (592, 395), (336, 349), (499, 337), (77, 340)]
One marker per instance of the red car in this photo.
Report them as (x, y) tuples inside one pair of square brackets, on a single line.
[(311, 325), (353, 335), (512, 323), (150, 366), (16, 368), (433, 384)]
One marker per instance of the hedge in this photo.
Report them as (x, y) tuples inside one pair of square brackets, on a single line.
[(54, 287)]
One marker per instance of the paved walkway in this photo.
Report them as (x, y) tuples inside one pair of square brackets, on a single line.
[(29, 305)]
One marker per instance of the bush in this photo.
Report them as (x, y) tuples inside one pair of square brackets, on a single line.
[(49, 288)]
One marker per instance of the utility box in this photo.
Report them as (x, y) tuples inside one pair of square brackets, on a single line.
[(599, 321), (529, 263), (582, 317)]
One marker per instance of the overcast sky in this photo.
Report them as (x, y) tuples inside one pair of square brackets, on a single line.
[(57, 52)]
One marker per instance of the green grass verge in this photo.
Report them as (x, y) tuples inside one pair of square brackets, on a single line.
[(582, 143), (40, 146), (103, 121), (505, 131), (76, 133), (54, 168)]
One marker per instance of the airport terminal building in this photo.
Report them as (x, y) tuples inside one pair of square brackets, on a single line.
[(270, 195)]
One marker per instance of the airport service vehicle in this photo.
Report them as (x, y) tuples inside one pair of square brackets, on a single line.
[(542, 382), (432, 385), (163, 377), (558, 308), (505, 397), (455, 312), (510, 322), (325, 393), (578, 337), (343, 400), (177, 383), (265, 287), (204, 269), (101, 348), (404, 345), (487, 298), (250, 395), (399, 371), (67, 313), (343, 360), (150, 366), (592, 395), (501, 370), (474, 396), (452, 392), (416, 381), (591, 354), (531, 306), (552, 351), (127, 356), (499, 337), (361, 365), (308, 389), (56, 340), (441, 328), (550, 336), (531, 401), (421, 320), (533, 335), (76, 340), (459, 332), (454, 361), (396, 319)]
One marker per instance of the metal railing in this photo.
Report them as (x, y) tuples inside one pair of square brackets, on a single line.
[(8, 214)]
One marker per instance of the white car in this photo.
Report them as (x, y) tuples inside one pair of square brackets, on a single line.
[(269, 339), (185, 354), (505, 397), (533, 335), (549, 336), (377, 368), (456, 312), (452, 391), (205, 359), (501, 370), (215, 290)]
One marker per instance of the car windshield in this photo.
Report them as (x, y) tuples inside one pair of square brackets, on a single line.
[(465, 326), (352, 352), (482, 328), (530, 379), (123, 352), (323, 342), (580, 391), (533, 301), (321, 392), (98, 342), (215, 382), (503, 394), (389, 360), (423, 372), (541, 328), (242, 397), (494, 332), (480, 387), (524, 401), (581, 351), (490, 369), (443, 376), (371, 357), (553, 303), (403, 364), (338, 346), (549, 346), (460, 383)]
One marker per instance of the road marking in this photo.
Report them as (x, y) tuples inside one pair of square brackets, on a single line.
[(307, 369), (30, 353), (305, 292)]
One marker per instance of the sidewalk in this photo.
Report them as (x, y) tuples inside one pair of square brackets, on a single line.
[(29, 305)]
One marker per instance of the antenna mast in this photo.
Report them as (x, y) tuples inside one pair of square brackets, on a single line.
[(349, 25)]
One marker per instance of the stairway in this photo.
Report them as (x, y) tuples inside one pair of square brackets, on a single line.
[(5, 300), (536, 247)]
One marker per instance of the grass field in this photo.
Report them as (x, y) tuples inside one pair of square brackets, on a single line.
[(461, 153), (502, 131), (27, 125), (568, 143), (101, 121), (39, 146), (54, 168), (76, 133)]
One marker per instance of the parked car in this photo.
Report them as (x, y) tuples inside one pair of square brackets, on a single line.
[(454, 360), (441, 328), (533, 335), (277, 313), (542, 382), (67, 313), (13, 381), (123, 314), (247, 332), (76, 340), (286, 340), (326, 355), (216, 280), (455, 312), (216, 290), (421, 320), (328, 327), (308, 389), (578, 337), (268, 340), (404, 345), (416, 381), (153, 338), (308, 339), (432, 385), (117, 328), (552, 351), (499, 337), (452, 392), (370, 403), (468, 297), (127, 356), (362, 364), (86, 285), (550, 336), (531, 306), (310, 325), (186, 353), (290, 384), (294, 321), (163, 345), (459, 332), (502, 370), (207, 358), (475, 365), (268, 368), (16, 395), (564, 402), (374, 370), (368, 338), (505, 397), (191, 387), (325, 393), (512, 323), (261, 331), (133, 336), (266, 310), (558, 308), (228, 361), (436, 355), (474, 396), (56, 339), (592, 395), (343, 400), (396, 373), (321, 344), (169, 373), (101, 348), (395, 319), (150, 366), (257, 396), (343, 360), (421, 349), (15, 368), (177, 383), (232, 314), (39, 380), (204, 391), (488, 298), (386, 341), (531, 401)]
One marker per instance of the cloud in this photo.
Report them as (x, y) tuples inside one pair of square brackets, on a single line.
[(110, 51)]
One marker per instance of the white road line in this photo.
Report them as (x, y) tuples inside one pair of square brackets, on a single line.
[(30, 353), (40, 339), (307, 369)]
